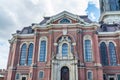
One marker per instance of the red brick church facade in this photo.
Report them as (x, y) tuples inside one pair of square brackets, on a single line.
[(67, 47)]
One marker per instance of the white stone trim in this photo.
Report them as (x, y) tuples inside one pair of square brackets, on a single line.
[(59, 55), (112, 42), (43, 38), (103, 41), (26, 76)]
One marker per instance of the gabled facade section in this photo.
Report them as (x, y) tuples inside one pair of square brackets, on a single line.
[(66, 18)]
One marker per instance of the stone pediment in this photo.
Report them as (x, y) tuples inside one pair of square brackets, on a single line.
[(66, 18)]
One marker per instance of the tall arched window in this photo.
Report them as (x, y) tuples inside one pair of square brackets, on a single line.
[(112, 53), (103, 54), (30, 54), (42, 51), (65, 49), (88, 51), (23, 54)]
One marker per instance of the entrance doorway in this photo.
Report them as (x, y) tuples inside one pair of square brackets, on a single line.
[(64, 73), (111, 77), (23, 78)]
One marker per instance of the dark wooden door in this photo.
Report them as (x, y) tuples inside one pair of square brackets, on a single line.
[(23, 78), (64, 73)]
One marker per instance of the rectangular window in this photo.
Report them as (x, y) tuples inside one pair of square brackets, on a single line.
[(88, 51), (42, 51), (89, 75), (17, 76), (41, 74), (118, 77)]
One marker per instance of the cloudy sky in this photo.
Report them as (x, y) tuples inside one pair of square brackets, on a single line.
[(16, 14)]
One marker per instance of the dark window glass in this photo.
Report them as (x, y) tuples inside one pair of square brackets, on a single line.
[(112, 52), (64, 21), (118, 77), (103, 53), (23, 54), (30, 54), (88, 51), (17, 76), (114, 5), (42, 51), (41, 74), (89, 75), (64, 49)]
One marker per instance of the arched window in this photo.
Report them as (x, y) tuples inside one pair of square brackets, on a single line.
[(103, 54), (41, 74), (30, 54), (17, 77), (23, 54), (89, 75), (112, 53), (42, 51), (64, 49), (64, 21), (88, 51)]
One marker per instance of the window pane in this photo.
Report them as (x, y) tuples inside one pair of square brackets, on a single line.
[(17, 76), (64, 20), (41, 74), (88, 50), (118, 76), (103, 53), (30, 54), (64, 49), (23, 54), (42, 51), (89, 75), (112, 52)]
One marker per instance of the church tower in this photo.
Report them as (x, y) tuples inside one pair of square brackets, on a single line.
[(110, 11)]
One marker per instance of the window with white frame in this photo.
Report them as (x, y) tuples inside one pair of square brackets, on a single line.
[(17, 77), (64, 47), (89, 75), (42, 51), (23, 54), (88, 50), (41, 74)]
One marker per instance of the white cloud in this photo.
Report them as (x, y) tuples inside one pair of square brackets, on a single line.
[(16, 14), (92, 15), (96, 2)]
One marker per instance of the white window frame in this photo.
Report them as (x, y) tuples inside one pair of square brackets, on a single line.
[(16, 76), (91, 73), (88, 37), (39, 74), (43, 38)]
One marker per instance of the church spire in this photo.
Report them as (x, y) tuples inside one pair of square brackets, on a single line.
[(110, 11)]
